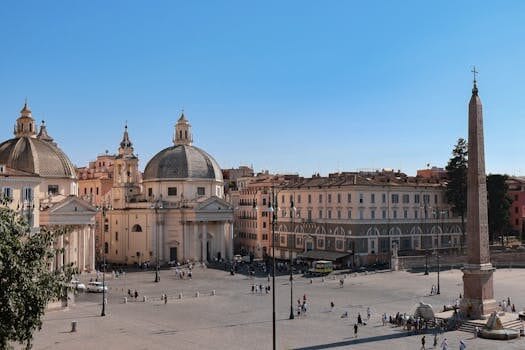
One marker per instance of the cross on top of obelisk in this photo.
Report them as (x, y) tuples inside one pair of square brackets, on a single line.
[(474, 73)]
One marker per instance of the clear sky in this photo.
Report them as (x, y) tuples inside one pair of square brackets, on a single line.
[(289, 86)]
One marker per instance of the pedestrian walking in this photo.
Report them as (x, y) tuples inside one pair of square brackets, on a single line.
[(355, 330), (423, 343), (136, 294), (165, 298), (332, 305), (435, 339), (444, 344), (359, 319), (368, 313), (462, 345)]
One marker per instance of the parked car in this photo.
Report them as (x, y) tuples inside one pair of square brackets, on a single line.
[(79, 286), (96, 287)]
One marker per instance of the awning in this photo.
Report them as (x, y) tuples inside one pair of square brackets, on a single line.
[(322, 255)]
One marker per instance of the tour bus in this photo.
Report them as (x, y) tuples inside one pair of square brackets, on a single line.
[(321, 267)]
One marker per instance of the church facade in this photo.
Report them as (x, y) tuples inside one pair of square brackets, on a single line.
[(39, 182), (175, 213)]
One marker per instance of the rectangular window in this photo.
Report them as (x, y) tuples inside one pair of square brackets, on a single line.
[(339, 198), (361, 198), (415, 214), (395, 198), (309, 198), (373, 198), (384, 214), (298, 198), (8, 192), (97, 191), (383, 198), (426, 199), (265, 236), (349, 213), (320, 214), (372, 214), (339, 214), (416, 198), (264, 224), (150, 191), (405, 214), (282, 199), (395, 214), (172, 191), (361, 214), (349, 198), (435, 199), (309, 214), (53, 189), (201, 191), (406, 198), (329, 214), (329, 198), (264, 201), (28, 194), (516, 210), (320, 198), (116, 236)]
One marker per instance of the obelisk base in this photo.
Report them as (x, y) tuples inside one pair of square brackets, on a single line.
[(478, 291)]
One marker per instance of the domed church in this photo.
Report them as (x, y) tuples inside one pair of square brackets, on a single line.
[(40, 183), (176, 213)]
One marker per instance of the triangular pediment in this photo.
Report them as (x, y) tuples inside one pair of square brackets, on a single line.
[(69, 211), (213, 204), (72, 204)]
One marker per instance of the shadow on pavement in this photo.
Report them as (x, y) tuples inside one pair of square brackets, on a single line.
[(356, 341)]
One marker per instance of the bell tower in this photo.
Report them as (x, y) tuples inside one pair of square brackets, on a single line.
[(126, 176), (182, 132), (25, 124)]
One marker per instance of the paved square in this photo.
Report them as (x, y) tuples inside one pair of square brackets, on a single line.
[(237, 319)]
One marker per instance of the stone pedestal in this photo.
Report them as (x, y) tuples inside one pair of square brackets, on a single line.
[(478, 300)]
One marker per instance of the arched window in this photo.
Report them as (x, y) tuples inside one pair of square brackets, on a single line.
[(180, 134), (136, 228)]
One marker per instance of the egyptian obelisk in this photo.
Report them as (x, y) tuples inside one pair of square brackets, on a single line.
[(478, 288)]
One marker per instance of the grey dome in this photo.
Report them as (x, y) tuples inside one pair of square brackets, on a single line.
[(182, 162), (36, 156)]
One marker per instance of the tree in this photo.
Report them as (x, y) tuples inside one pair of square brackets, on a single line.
[(27, 284), (456, 190), (499, 203)]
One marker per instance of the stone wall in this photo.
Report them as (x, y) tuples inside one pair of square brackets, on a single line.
[(498, 259)]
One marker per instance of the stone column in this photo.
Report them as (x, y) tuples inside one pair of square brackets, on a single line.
[(224, 254), (184, 240), (204, 240), (230, 242), (478, 286)]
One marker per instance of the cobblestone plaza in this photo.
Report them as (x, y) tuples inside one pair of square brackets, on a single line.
[(237, 319)]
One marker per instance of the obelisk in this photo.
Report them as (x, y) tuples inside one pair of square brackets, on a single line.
[(478, 288)]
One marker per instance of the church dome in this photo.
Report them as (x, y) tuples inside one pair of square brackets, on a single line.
[(36, 156), (33, 153), (182, 161)]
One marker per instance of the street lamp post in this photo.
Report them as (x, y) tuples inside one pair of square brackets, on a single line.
[(103, 313), (426, 262), (438, 289), (157, 206), (273, 210), (291, 241)]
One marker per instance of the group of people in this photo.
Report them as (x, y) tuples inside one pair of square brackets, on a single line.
[(183, 273), (134, 294), (507, 306), (302, 308), (258, 288)]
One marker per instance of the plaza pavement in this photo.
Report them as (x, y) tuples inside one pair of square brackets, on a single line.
[(237, 319)]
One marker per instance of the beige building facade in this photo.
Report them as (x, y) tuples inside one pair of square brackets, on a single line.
[(361, 216)]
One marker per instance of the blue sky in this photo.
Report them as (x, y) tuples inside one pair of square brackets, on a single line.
[(289, 86)]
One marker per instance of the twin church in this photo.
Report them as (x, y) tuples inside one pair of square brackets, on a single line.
[(174, 211)]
